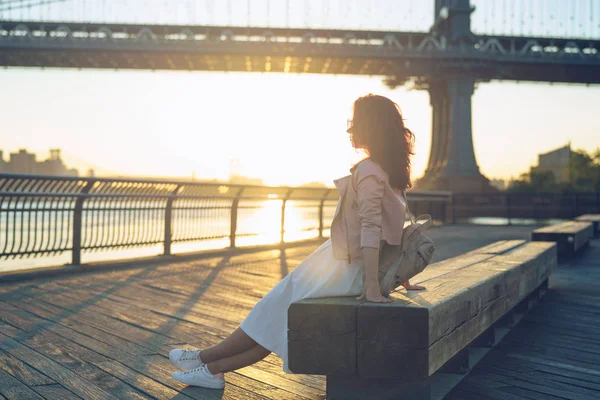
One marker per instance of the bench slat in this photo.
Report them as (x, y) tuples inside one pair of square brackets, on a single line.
[(594, 219), (569, 236)]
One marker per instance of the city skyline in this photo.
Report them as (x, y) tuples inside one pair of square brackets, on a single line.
[(23, 162)]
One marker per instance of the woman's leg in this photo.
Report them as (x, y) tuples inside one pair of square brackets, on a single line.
[(236, 343), (239, 360)]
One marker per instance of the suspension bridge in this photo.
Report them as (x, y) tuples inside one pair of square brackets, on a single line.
[(446, 47)]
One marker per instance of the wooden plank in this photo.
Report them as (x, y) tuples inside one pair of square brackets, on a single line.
[(111, 325), (569, 236), (530, 394), (177, 339), (589, 217), (54, 370), (160, 369), (215, 308), (150, 386), (564, 227), (543, 378), (96, 339), (273, 365), (460, 394), (594, 219), (302, 391), (77, 330), (192, 333), (322, 336), (83, 362), (498, 248), (13, 389), (22, 371), (450, 266), (80, 360), (55, 392), (165, 374), (553, 374), (506, 392)]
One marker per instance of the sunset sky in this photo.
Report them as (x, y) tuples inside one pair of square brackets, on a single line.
[(285, 129)]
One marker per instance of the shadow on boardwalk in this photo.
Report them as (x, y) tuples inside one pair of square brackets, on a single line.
[(107, 335)]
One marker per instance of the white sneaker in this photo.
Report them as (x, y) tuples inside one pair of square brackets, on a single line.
[(200, 377), (185, 360)]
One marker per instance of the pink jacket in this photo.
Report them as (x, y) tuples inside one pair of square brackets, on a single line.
[(369, 211)]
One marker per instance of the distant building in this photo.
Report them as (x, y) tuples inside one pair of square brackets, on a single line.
[(556, 161), (23, 162), (244, 180), (498, 184)]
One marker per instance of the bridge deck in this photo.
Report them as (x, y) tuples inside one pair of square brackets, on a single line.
[(107, 335)]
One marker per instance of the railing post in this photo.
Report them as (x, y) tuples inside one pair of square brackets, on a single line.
[(233, 220), (169, 221), (285, 199), (321, 205), (77, 222)]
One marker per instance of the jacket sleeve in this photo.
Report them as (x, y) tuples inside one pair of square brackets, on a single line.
[(370, 191)]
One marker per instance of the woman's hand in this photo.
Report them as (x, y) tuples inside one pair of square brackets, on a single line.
[(408, 286), (372, 293)]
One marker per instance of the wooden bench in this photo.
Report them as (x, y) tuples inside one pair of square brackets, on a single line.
[(594, 219), (569, 236), (382, 351)]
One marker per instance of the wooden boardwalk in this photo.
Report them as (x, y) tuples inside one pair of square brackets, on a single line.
[(107, 335), (554, 352)]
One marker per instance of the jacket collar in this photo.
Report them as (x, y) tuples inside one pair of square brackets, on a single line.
[(342, 183)]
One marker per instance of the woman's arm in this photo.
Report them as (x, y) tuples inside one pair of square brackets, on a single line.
[(371, 290), (370, 192)]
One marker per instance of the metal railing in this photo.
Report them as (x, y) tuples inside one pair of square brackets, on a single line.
[(45, 216), (515, 206)]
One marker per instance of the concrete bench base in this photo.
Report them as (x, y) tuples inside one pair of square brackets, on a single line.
[(570, 237)]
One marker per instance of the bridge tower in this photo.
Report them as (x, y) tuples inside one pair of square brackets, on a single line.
[(452, 164)]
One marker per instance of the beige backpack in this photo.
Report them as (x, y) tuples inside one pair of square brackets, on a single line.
[(399, 263)]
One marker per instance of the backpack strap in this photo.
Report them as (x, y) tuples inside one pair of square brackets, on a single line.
[(410, 216)]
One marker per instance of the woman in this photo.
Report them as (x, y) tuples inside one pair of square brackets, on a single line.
[(345, 265)]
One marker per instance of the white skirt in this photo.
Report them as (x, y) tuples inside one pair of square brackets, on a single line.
[(319, 275)]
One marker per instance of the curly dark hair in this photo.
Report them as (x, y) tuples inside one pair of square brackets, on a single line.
[(378, 128)]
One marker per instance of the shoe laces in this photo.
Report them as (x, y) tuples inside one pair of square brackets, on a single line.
[(189, 355), (192, 371), (198, 369)]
